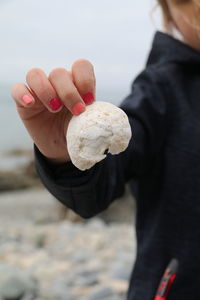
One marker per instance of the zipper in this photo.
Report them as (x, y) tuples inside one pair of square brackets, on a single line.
[(167, 280)]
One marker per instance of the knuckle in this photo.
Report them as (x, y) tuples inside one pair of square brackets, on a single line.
[(56, 72), (44, 92), (33, 73), (36, 79)]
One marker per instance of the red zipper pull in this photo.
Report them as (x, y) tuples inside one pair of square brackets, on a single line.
[(167, 280)]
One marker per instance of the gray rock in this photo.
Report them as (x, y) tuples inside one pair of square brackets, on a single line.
[(40, 240), (102, 293), (65, 281), (121, 271), (88, 273), (115, 297), (96, 223), (89, 278), (16, 284), (62, 288), (29, 296), (79, 258), (87, 281), (63, 294), (76, 279), (12, 289)]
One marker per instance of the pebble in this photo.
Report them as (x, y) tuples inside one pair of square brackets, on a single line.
[(121, 271), (102, 293), (16, 284), (90, 260), (13, 289)]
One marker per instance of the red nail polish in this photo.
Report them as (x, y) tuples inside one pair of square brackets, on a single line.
[(88, 98), (78, 108), (55, 104)]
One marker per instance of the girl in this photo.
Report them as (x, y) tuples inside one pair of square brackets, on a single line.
[(163, 157)]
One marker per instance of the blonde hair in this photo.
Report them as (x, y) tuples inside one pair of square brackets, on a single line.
[(165, 12), (167, 17)]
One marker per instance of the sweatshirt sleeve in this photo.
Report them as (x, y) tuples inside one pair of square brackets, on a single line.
[(90, 192)]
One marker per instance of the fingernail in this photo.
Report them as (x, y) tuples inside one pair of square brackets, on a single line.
[(78, 108), (27, 99), (88, 98), (55, 104)]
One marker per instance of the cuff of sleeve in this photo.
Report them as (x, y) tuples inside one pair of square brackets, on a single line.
[(62, 173)]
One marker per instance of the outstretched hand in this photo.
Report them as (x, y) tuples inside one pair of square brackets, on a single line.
[(46, 105)]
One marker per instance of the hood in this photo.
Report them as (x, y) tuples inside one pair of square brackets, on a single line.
[(166, 48)]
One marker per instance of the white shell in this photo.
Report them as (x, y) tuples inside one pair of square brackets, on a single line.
[(102, 126)]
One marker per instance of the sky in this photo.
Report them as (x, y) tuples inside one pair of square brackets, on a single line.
[(114, 35)]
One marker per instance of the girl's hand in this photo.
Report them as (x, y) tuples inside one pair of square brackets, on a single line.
[(46, 105)]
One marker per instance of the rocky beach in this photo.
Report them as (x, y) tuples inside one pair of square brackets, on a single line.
[(47, 252)]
